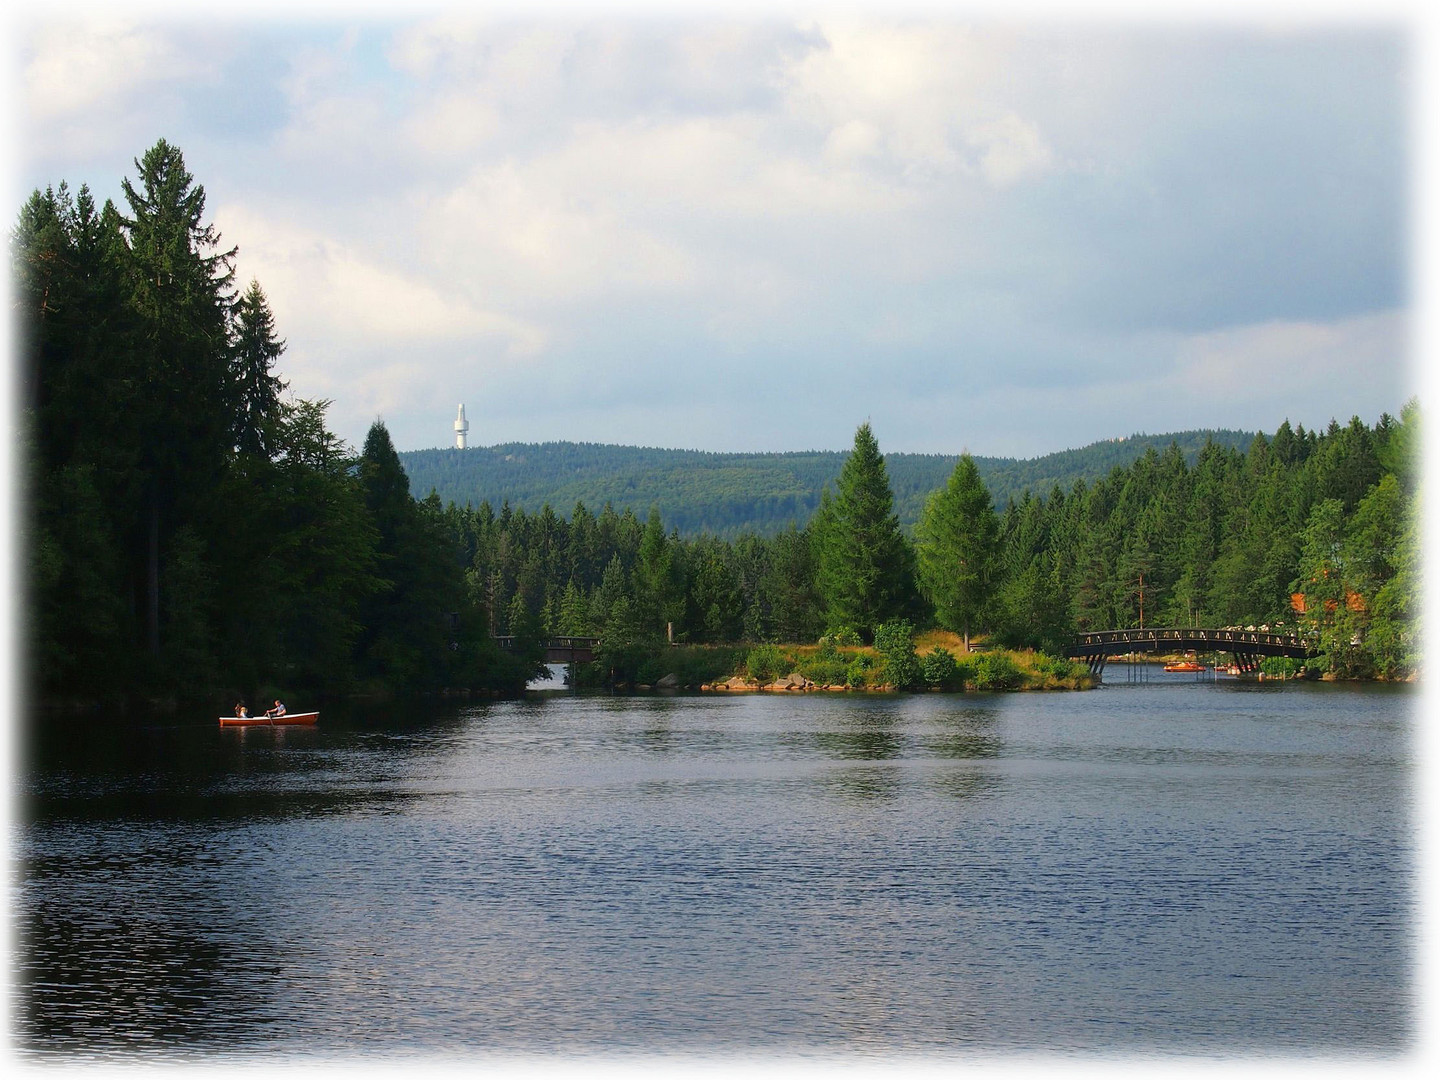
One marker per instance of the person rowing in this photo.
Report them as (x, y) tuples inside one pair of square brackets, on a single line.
[(277, 710)]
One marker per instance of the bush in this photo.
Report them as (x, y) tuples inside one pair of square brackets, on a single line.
[(996, 671), (895, 641), (1045, 664), (860, 672), (938, 668), (824, 671), (1281, 667), (765, 662), (692, 665), (844, 635)]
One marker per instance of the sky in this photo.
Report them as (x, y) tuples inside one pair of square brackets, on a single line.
[(722, 229)]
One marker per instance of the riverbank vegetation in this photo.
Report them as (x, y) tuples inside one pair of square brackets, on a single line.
[(195, 531)]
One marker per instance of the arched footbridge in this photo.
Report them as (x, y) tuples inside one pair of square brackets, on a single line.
[(1247, 646)]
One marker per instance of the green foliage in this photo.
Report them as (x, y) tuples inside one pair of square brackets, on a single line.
[(895, 642), (939, 669), (863, 670), (254, 353), (191, 533), (864, 566), (1059, 669), (1281, 667), (697, 665), (765, 663), (823, 671), (957, 549), (996, 671), (729, 495)]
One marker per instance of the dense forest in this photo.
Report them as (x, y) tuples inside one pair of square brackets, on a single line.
[(1315, 531), (192, 530), (728, 495), (195, 531)]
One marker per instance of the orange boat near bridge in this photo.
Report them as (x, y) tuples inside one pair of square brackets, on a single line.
[(1185, 665)]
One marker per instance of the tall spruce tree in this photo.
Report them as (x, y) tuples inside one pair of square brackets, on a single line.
[(864, 566), (957, 546), (255, 351), (180, 289)]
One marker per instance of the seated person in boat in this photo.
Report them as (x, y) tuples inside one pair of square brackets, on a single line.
[(240, 709), (278, 710)]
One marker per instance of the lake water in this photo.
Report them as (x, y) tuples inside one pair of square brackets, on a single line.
[(1167, 867)]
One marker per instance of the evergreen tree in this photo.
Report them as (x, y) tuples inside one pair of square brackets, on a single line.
[(864, 567), (796, 610), (717, 599), (957, 538), (255, 351), (179, 283)]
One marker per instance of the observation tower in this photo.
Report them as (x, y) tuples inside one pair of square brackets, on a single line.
[(462, 428)]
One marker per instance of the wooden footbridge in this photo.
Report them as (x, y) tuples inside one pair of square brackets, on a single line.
[(1246, 646), (559, 650)]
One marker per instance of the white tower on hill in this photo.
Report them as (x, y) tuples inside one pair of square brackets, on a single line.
[(462, 428)]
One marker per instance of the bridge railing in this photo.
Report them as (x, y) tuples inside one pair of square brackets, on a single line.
[(1222, 639), (507, 641)]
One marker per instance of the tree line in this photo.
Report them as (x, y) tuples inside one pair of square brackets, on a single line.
[(1314, 532), (732, 494), (191, 529), (195, 530)]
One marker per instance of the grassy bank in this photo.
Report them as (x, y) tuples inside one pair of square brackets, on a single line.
[(942, 663)]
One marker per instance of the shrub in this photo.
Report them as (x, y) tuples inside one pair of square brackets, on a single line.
[(692, 665), (844, 635), (938, 668), (895, 641), (824, 671), (1281, 666), (996, 671), (765, 662), (860, 671)]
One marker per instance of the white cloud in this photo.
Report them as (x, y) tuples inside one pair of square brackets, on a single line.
[(1011, 149), (523, 231), (442, 205), (1279, 357), (325, 289), (98, 64), (930, 99)]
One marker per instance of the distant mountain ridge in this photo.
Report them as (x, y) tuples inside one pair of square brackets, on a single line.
[(726, 494)]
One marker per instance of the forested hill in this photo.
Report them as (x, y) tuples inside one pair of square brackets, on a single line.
[(728, 494)]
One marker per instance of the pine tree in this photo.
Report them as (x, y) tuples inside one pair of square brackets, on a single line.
[(865, 568), (179, 288), (256, 349), (957, 542)]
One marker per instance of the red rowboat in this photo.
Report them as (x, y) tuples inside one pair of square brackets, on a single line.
[(1185, 665), (267, 721)]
